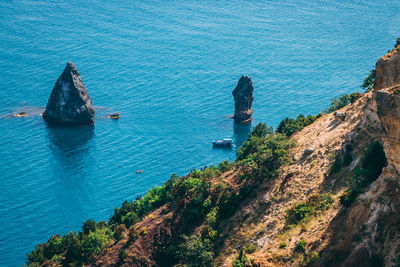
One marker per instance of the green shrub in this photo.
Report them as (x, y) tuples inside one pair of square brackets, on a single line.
[(348, 196), (282, 245), (250, 248), (95, 242), (195, 252), (36, 256), (119, 230), (133, 234), (261, 130), (225, 166), (397, 42), (342, 101), (89, 226), (308, 208), (369, 81), (309, 259), (122, 255), (289, 126), (241, 260), (300, 245), (130, 219), (261, 156)]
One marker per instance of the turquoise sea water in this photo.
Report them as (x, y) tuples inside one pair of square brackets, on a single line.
[(168, 68)]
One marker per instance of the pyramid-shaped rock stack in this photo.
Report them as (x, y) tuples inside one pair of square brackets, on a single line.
[(69, 102)]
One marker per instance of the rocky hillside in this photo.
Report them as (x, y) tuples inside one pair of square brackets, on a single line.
[(325, 195)]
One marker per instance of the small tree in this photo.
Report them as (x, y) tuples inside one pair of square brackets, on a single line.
[(195, 251), (369, 81), (89, 226)]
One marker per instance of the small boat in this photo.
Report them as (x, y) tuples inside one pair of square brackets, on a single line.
[(139, 171), (226, 142), (114, 116)]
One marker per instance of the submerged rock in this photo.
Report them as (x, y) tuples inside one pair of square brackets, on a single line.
[(69, 102), (21, 114), (243, 95), (114, 116)]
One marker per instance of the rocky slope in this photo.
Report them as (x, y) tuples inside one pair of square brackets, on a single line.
[(326, 197)]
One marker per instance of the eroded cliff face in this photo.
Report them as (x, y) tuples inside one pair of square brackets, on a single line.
[(388, 70)]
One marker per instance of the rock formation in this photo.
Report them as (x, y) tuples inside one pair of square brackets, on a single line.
[(388, 70), (243, 95), (69, 102)]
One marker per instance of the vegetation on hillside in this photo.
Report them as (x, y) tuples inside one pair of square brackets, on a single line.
[(289, 126), (201, 197), (204, 200)]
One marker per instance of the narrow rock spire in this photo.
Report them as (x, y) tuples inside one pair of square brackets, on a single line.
[(243, 96)]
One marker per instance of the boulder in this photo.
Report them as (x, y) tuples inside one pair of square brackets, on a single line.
[(69, 103), (339, 115), (243, 96)]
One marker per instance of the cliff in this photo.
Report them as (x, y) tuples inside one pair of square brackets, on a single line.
[(327, 195)]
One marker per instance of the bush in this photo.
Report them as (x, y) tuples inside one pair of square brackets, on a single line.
[(133, 234), (310, 258), (261, 156), (250, 248), (225, 166), (119, 230), (342, 101), (195, 252), (95, 242), (290, 126), (308, 208), (241, 260), (122, 255), (348, 196), (397, 42), (282, 245), (89, 226), (300, 245), (369, 81), (36, 256)]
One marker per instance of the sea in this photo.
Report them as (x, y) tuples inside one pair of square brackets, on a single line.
[(168, 68)]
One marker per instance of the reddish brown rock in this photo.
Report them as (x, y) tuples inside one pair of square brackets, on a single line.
[(388, 70)]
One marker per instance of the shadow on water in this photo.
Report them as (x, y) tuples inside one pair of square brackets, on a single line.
[(240, 132), (69, 145)]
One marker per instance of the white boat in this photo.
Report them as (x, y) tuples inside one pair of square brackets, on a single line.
[(226, 142)]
